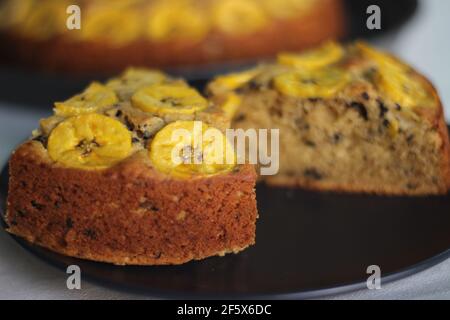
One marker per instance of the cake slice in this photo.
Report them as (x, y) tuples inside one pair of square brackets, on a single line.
[(351, 118), (96, 180)]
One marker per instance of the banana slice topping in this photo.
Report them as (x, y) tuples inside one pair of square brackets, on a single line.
[(165, 99), (233, 81), (186, 149), (134, 79), (321, 84), (396, 80), (90, 141), (94, 98), (231, 104), (326, 55)]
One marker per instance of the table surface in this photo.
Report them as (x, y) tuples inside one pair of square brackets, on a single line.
[(423, 42)]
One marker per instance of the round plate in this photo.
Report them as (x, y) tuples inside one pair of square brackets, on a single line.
[(309, 244)]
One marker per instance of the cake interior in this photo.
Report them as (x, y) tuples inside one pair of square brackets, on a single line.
[(347, 144)]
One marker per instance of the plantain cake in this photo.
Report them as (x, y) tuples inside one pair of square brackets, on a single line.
[(96, 181), (351, 118)]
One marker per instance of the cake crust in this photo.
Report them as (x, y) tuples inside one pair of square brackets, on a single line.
[(129, 213)]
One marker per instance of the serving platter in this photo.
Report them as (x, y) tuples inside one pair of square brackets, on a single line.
[(309, 244)]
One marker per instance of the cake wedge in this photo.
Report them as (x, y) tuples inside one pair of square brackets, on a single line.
[(351, 119)]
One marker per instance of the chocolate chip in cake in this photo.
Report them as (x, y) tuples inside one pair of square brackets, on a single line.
[(398, 107), (361, 110), (337, 137), (41, 139), (90, 234), (312, 173), (21, 213), (37, 205), (383, 109), (365, 96), (276, 111), (239, 118), (313, 100), (129, 124), (148, 206), (412, 186), (253, 85), (290, 173), (69, 223), (301, 124), (309, 143)]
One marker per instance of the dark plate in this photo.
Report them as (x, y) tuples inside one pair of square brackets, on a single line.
[(309, 244)]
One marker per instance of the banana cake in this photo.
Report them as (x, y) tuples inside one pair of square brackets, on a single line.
[(351, 118), (96, 180), (161, 33)]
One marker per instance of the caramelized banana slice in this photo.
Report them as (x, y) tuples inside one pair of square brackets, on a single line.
[(117, 26), (397, 80), (176, 19), (239, 16), (321, 84), (231, 104), (233, 81), (134, 79), (380, 58), (164, 99), (185, 149), (94, 98), (327, 54), (90, 141), (404, 89)]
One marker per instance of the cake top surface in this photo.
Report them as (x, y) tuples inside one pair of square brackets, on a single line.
[(142, 111), (332, 71), (123, 21)]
